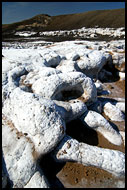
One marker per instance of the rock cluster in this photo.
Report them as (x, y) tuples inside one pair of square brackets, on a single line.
[(83, 32), (44, 89)]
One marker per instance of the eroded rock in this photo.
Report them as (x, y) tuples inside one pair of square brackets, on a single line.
[(70, 149), (39, 119), (91, 63), (71, 110), (98, 123), (113, 112), (65, 86)]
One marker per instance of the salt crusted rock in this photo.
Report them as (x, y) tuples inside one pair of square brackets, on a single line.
[(70, 149), (99, 86), (36, 73), (113, 112), (19, 156), (121, 75), (37, 117), (66, 86), (67, 66), (37, 181), (12, 81), (91, 63), (123, 136), (43, 123), (42, 119), (39, 123), (79, 58), (121, 106), (97, 122), (70, 110), (51, 57)]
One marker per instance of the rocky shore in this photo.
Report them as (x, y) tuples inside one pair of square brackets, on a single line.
[(63, 114)]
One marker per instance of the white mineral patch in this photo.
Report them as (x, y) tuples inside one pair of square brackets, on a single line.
[(67, 66), (37, 181), (121, 75), (123, 136), (17, 152), (113, 112), (87, 32), (99, 86), (121, 106), (27, 33)]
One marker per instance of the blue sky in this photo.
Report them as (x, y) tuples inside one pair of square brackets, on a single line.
[(18, 11)]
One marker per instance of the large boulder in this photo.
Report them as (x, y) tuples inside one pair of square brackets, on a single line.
[(66, 86), (39, 120), (91, 63), (113, 112)]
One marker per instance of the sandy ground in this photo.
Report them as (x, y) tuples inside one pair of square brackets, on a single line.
[(75, 175)]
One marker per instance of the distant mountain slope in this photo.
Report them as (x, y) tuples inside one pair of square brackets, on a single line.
[(102, 18)]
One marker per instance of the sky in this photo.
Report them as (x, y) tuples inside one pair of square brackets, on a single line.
[(18, 11)]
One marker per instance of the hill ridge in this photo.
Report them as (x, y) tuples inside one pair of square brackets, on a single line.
[(112, 18)]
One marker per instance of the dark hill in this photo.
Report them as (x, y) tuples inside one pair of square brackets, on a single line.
[(102, 18)]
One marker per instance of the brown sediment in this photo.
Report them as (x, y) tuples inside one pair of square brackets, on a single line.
[(76, 175), (117, 89), (82, 99), (121, 85), (74, 172)]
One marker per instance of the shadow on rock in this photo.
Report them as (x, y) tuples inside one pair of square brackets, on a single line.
[(78, 131), (108, 74), (8, 183), (51, 169)]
